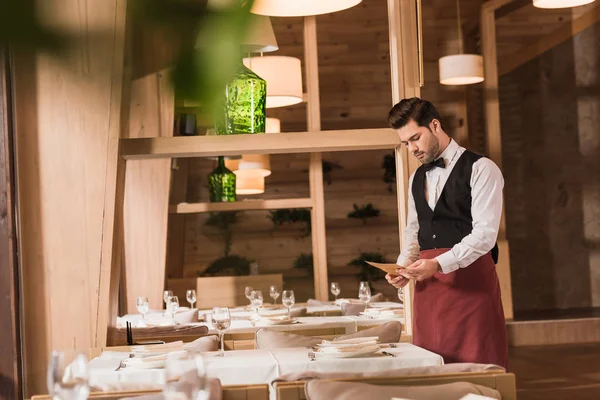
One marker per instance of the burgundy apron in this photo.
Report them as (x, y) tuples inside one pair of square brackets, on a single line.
[(459, 315)]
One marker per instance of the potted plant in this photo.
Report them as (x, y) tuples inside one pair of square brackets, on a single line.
[(292, 216), (364, 212)]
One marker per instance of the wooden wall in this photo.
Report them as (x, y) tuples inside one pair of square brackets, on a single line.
[(67, 131), (354, 75)]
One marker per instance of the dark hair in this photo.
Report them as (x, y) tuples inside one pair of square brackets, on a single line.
[(416, 109)]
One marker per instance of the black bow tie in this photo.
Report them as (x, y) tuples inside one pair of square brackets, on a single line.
[(437, 163)]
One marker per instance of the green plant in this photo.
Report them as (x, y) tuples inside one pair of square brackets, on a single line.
[(328, 167), (389, 175), (230, 265), (223, 221), (305, 261), (291, 216), (364, 212), (198, 72), (367, 272)]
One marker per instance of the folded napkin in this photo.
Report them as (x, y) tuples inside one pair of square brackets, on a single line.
[(350, 348), (355, 340), (157, 348)]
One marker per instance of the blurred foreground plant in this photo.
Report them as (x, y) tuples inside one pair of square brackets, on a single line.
[(204, 40)]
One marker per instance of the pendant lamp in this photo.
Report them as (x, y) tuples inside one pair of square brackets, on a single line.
[(261, 163), (249, 182), (300, 8), (560, 3), (461, 69), (283, 76)]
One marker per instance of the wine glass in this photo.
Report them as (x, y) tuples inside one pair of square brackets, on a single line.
[(248, 292), (221, 320), (190, 295), (401, 295), (364, 294), (288, 299), (172, 306), (142, 306), (364, 284), (274, 293), (68, 375), (335, 289), (166, 295), (185, 377)]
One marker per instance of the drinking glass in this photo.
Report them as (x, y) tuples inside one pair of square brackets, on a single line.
[(185, 377), (68, 375), (335, 289), (190, 295), (401, 295), (172, 306), (364, 284), (274, 293), (257, 299), (142, 306), (288, 299), (166, 295), (364, 294), (248, 293), (221, 320)]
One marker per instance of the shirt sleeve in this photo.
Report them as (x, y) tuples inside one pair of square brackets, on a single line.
[(410, 242), (486, 209)]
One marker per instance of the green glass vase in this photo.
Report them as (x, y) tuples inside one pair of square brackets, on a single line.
[(244, 109), (221, 183)]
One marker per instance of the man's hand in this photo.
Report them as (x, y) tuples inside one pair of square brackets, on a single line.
[(397, 281), (421, 269)]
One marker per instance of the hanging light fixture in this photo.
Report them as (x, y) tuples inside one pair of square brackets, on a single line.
[(249, 182), (300, 8), (560, 3), (283, 76), (461, 69), (273, 125)]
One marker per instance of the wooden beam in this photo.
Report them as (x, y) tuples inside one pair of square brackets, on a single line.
[(146, 201), (404, 65), (176, 223), (553, 39), (295, 142), (276, 204), (510, 7), (67, 126), (10, 332), (494, 142), (315, 173)]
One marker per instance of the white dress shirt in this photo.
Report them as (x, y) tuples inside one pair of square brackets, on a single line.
[(486, 211)]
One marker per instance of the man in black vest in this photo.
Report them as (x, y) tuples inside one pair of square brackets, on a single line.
[(449, 246)]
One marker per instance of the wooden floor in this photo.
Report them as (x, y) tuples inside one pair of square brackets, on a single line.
[(569, 372)]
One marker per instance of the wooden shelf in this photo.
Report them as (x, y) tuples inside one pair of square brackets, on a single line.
[(293, 142), (246, 205)]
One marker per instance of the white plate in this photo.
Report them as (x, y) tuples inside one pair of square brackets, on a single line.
[(277, 321), (354, 354)]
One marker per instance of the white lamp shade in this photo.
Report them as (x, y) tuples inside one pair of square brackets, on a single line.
[(260, 37), (461, 69), (259, 163), (273, 125), (300, 8), (283, 76), (249, 182), (560, 3)]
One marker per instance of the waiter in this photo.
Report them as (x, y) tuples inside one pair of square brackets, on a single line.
[(449, 246)]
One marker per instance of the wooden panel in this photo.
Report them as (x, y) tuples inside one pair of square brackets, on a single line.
[(176, 223), (545, 43), (298, 142), (10, 349), (189, 208), (553, 332), (494, 143), (226, 290), (67, 117), (147, 193)]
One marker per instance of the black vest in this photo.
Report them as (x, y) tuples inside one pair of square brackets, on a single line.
[(451, 219)]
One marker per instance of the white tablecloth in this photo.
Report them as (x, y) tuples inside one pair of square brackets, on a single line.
[(244, 367), (245, 326)]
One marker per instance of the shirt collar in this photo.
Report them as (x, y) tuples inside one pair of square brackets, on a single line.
[(449, 152)]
